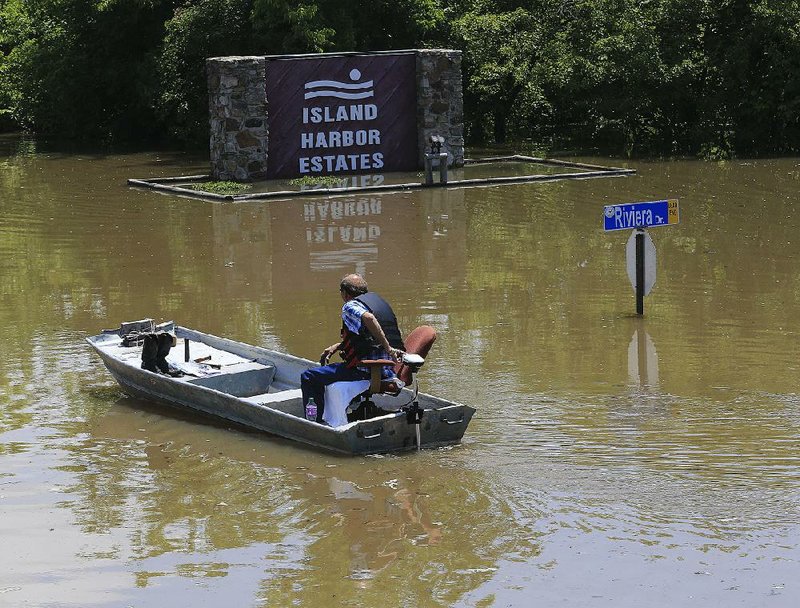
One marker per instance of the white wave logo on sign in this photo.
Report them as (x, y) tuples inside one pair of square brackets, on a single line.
[(340, 90)]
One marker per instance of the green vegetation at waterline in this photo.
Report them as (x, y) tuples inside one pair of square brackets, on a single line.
[(636, 77), (322, 181), (223, 188)]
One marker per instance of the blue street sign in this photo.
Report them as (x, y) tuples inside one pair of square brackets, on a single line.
[(641, 215)]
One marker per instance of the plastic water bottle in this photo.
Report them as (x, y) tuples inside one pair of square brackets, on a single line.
[(311, 410)]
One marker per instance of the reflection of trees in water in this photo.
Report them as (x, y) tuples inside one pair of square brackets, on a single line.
[(173, 497), (389, 531), (400, 512), (424, 537)]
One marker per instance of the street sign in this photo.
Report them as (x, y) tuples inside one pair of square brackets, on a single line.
[(649, 261), (641, 215)]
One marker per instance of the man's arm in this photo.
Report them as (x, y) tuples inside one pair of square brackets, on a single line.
[(328, 353), (369, 320)]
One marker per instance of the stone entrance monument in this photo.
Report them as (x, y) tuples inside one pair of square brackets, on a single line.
[(332, 114)]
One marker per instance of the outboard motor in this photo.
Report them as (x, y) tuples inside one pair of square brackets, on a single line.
[(414, 411)]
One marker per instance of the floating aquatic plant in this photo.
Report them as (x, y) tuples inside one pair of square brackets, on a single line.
[(219, 187)]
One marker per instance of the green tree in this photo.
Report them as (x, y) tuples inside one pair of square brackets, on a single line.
[(606, 69), (81, 69), (500, 51), (714, 77), (196, 31), (753, 48)]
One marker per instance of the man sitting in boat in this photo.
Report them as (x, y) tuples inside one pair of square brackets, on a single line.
[(369, 331)]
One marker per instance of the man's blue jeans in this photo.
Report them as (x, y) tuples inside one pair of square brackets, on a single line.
[(313, 381)]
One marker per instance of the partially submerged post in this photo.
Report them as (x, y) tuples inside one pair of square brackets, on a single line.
[(640, 272), (641, 265), (436, 156)]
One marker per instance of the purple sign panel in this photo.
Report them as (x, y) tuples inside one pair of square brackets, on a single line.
[(340, 115)]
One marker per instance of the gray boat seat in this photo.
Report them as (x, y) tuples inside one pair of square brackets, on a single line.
[(289, 401), (240, 379), (278, 397)]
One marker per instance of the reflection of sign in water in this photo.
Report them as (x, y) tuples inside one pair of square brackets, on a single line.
[(343, 234), (336, 210), (641, 215), (349, 181), (347, 225), (332, 115), (642, 359)]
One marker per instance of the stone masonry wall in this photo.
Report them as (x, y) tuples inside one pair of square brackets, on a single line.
[(237, 105), (239, 138), (440, 102)]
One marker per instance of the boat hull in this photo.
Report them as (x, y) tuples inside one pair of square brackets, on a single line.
[(443, 422)]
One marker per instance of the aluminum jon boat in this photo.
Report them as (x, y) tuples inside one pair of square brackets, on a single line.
[(260, 389)]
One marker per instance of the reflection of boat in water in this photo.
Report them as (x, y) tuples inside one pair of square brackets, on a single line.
[(259, 388)]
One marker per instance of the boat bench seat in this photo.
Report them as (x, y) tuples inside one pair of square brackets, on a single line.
[(289, 401), (240, 380), (278, 397)]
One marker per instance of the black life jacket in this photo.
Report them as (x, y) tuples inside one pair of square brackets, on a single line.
[(358, 346)]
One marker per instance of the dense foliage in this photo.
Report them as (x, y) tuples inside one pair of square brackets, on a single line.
[(709, 77)]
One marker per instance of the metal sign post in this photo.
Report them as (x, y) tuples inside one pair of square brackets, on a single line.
[(639, 286), (640, 250), (640, 257)]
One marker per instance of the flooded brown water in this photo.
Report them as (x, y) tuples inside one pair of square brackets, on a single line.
[(613, 460)]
